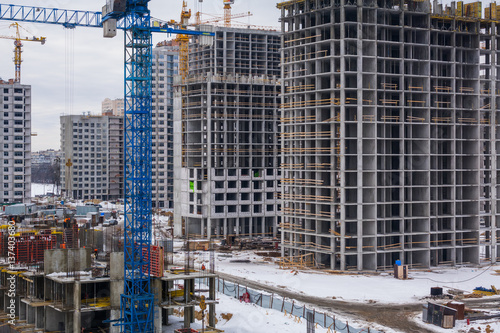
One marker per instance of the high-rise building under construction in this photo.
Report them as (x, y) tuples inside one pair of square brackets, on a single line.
[(226, 174), (389, 133)]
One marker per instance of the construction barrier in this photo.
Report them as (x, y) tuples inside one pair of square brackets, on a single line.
[(279, 303)]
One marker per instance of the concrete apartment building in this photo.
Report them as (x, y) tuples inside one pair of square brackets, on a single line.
[(165, 67), (226, 149), (15, 159), (389, 133), (92, 162), (113, 107)]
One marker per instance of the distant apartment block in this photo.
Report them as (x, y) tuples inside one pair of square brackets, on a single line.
[(15, 140), (390, 133), (226, 159), (92, 156), (113, 107), (165, 67), (45, 156)]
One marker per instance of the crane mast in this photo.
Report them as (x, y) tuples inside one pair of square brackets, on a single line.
[(227, 12)]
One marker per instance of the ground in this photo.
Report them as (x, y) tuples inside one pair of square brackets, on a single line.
[(365, 300)]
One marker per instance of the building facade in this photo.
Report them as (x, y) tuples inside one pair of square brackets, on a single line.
[(165, 67), (389, 133), (92, 157), (113, 107), (15, 159), (226, 158)]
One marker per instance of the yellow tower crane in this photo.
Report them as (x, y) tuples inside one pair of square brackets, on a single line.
[(227, 12), (184, 43), (18, 47)]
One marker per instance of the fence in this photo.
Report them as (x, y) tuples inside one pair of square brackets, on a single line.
[(288, 307)]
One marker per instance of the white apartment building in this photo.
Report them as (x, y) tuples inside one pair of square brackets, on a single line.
[(165, 66), (92, 156), (15, 159)]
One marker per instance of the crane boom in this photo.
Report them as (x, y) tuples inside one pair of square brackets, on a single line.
[(137, 301), (67, 18)]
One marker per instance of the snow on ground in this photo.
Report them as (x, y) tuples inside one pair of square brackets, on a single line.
[(42, 189), (249, 318), (359, 288), (363, 288), (461, 325)]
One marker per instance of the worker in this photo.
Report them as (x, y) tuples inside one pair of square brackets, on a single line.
[(203, 267), (245, 297), (95, 253)]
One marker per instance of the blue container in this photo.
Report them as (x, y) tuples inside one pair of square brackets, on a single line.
[(398, 262)]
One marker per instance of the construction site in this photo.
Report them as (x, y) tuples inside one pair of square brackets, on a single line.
[(67, 273), (388, 130), (362, 137)]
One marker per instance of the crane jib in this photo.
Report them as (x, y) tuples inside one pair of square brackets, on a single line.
[(77, 18)]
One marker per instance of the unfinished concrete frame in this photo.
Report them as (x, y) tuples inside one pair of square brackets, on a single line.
[(388, 134), (227, 171)]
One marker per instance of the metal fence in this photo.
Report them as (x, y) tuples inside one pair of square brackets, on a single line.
[(276, 302)]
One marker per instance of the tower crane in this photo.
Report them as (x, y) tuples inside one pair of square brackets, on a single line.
[(18, 48), (132, 16)]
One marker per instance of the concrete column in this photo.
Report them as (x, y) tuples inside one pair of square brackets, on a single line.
[(77, 314), (157, 289), (211, 307), (115, 314)]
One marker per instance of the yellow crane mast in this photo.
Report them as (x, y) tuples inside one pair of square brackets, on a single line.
[(184, 43), (227, 12), (18, 47)]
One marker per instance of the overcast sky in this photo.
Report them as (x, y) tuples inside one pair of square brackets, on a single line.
[(98, 62)]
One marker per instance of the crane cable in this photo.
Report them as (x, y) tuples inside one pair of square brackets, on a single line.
[(69, 63)]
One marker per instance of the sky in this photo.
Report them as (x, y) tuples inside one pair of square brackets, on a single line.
[(98, 62)]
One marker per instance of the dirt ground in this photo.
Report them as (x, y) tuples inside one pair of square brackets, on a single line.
[(396, 317)]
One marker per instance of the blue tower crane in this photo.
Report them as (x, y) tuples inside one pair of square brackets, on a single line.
[(132, 16)]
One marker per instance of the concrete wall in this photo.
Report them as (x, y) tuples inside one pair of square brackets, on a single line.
[(59, 261)]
